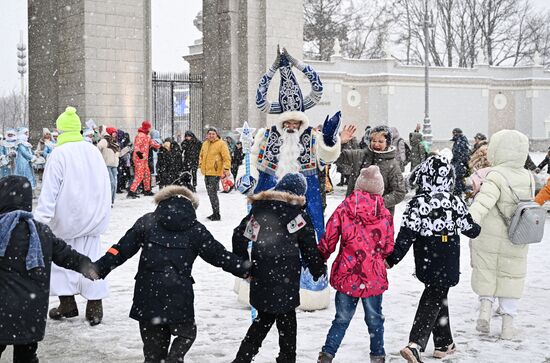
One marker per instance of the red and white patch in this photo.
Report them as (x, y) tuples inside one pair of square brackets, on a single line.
[(296, 224), (252, 229)]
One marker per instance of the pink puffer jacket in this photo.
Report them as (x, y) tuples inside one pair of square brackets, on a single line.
[(365, 230)]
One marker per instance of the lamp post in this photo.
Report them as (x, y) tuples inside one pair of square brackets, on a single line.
[(22, 69), (427, 127)]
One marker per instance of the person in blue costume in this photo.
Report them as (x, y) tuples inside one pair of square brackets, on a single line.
[(25, 157), (292, 145), (8, 152)]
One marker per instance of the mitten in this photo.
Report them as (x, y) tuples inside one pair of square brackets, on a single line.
[(330, 129), (139, 155)]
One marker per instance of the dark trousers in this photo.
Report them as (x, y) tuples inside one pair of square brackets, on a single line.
[(156, 341), (24, 353), (286, 325), (194, 175), (212, 183), (432, 317)]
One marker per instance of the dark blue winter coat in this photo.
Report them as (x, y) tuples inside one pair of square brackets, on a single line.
[(433, 222), (170, 239), (461, 155), (276, 250), (24, 294)]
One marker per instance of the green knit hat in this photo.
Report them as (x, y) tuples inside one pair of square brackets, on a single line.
[(68, 120)]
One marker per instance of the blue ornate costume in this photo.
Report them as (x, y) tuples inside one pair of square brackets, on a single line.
[(314, 148)]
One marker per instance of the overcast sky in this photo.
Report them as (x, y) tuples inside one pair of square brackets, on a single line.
[(173, 32)]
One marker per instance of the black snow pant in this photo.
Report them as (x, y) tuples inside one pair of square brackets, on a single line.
[(212, 183), (286, 325), (156, 340), (24, 353), (432, 317)]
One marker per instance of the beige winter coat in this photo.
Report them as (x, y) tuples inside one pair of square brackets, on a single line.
[(499, 267), (110, 157)]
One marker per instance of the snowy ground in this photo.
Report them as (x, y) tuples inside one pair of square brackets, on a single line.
[(222, 322)]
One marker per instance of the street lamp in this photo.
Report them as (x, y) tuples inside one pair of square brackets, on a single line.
[(427, 127), (22, 69)]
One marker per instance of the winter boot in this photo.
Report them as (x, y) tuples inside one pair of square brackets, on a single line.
[(282, 358), (132, 194), (215, 217), (508, 330), (94, 312), (411, 353), (442, 352), (484, 320), (246, 352), (377, 359), (67, 308), (148, 193), (325, 357)]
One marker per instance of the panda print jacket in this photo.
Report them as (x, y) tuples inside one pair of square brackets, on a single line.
[(432, 222)]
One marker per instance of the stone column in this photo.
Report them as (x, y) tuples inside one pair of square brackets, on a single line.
[(93, 55)]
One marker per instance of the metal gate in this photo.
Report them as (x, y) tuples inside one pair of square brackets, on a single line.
[(177, 104)]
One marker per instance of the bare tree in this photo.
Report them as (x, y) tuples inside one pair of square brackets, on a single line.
[(11, 111), (325, 21)]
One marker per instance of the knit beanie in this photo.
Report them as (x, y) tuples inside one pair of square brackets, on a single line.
[(294, 183), (146, 126), (110, 130), (370, 180), (68, 121)]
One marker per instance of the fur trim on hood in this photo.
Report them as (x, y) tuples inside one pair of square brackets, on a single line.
[(292, 115), (176, 191), (279, 196)]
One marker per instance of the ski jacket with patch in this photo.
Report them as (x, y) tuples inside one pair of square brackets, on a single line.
[(170, 239), (281, 231)]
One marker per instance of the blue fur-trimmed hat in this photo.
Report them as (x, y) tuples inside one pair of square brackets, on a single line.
[(290, 94), (294, 183)]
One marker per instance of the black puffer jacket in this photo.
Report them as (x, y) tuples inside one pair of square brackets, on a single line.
[(24, 294), (461, 155), (171, 239), (169, 164), (433, 222), (191, 150), (276, 268)]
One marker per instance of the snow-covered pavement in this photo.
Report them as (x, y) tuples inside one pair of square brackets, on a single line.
[(222, 322)]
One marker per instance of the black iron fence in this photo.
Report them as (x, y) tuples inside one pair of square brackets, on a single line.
[(177, 104)]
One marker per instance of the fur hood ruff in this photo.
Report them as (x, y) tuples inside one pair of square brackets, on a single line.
[(177, 191), (278, 196)]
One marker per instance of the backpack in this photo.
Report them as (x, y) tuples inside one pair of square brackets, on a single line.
[(526, 225)]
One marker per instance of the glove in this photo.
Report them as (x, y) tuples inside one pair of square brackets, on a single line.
[(90, 272), (277, 59), (139, 155), (330, 129)]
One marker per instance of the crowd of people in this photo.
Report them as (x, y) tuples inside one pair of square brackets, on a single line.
[(281, 246)]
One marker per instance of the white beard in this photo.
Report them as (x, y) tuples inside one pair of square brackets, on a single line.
[(289, 154)]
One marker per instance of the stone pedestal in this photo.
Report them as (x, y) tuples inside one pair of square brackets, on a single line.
[(93, 55), (240, 39)]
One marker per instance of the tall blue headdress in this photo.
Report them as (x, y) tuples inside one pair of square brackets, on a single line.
[(290, 95)]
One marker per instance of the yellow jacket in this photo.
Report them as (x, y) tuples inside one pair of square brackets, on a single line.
[(214, 158)]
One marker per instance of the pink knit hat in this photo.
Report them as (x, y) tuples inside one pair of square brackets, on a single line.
[(370, 180)]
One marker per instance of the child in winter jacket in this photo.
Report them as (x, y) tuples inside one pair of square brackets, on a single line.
[(280, 230), (170, 238), (365, 230), (27, 250), (433, 221), (379, 152)]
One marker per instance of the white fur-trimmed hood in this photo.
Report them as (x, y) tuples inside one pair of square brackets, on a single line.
[(292, 115), (279, 196), (174, 191)]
